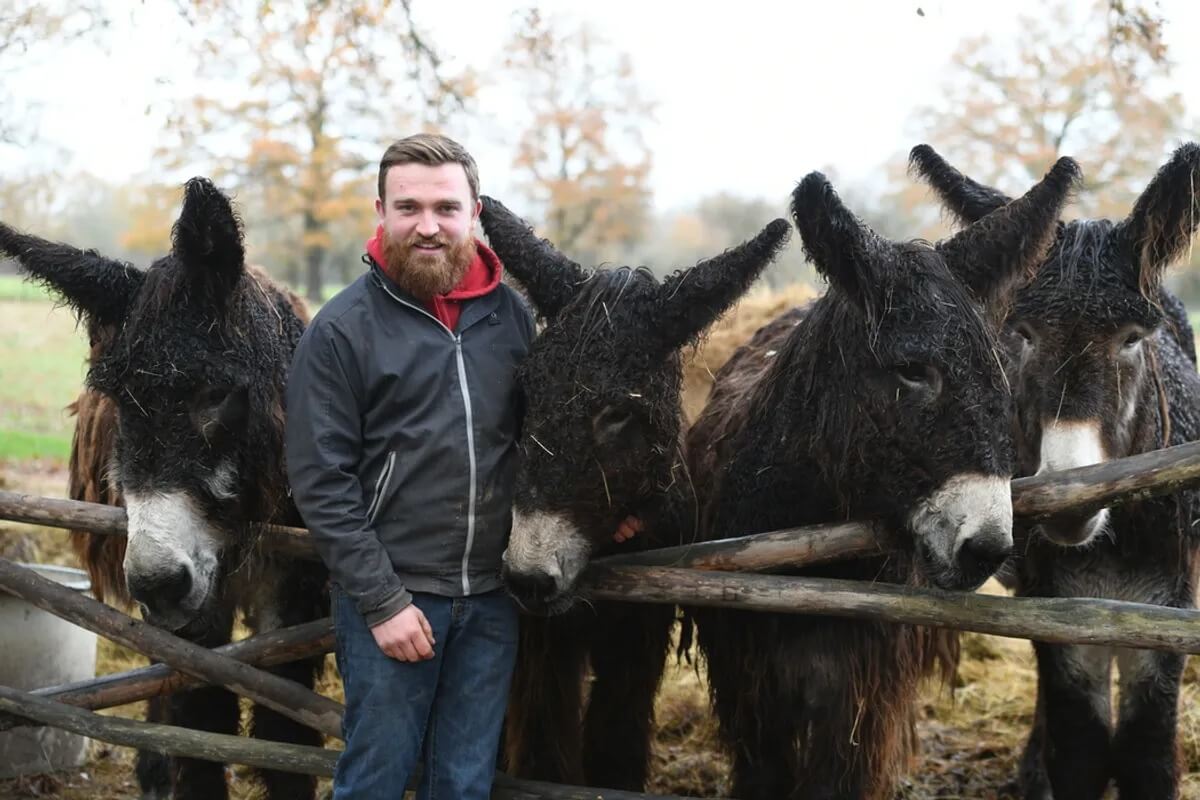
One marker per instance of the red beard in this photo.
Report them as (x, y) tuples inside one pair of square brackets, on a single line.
[(424, 274)]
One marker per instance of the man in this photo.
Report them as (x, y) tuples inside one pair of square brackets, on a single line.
[(402, 418)]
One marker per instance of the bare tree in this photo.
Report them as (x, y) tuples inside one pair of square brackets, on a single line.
[(581, 154), (1008, 109), (299, 99)]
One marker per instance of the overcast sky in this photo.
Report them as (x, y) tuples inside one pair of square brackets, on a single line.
[(751, 95)]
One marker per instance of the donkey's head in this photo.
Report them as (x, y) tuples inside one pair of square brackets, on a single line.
[(1083, 334), (601, 387), (904, 384), (194, 355)]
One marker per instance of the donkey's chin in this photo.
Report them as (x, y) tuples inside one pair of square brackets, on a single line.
[(1069, 531), (545, 607), (193, 626), (200, 628)]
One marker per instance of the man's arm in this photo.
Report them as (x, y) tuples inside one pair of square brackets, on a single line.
[(324, 446)]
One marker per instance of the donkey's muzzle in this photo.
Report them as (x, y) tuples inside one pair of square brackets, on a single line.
[(161, 593), (534, 590), (1068, 530), (982, 553)]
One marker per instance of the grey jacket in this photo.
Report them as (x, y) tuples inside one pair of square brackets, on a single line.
[(401, 441)]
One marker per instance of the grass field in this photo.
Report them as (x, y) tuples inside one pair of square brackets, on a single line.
[(42, 368), (12, 287)]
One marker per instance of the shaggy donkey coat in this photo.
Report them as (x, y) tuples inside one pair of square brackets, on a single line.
[(182, 423), (1102, 362), (885, 399), (600, 441)]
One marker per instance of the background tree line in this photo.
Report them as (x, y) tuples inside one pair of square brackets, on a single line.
[(293, 102)]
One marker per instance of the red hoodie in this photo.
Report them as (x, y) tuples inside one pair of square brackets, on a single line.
[(482, 277)]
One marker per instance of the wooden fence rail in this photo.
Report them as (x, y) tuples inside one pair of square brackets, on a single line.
[(1045, 619), (1061, 620), (681, 575), (228, 749), (117, 689), (1075, 491), (1123, 480), (169, 739), (286, 697), (57, 512)]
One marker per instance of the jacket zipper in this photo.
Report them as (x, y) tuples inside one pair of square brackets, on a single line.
[(466, 394), (381, 487), (462, 382)]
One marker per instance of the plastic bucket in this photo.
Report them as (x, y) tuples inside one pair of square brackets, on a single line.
[(37, 649)]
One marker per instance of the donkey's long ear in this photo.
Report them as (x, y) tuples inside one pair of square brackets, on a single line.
[(99, 289), (207, 239), (843, 249), (967, 200), (550, 278), (691, 299), (1006, 246), (1164, 219)]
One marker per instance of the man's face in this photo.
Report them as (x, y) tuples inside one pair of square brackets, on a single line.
[(428, 218)]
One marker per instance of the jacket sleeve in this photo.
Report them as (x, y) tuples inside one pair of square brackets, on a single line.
[(324, 447)]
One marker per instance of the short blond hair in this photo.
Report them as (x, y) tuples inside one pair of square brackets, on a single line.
[(430, 149)]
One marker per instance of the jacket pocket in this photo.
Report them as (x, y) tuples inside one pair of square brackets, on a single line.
[(381, 487)]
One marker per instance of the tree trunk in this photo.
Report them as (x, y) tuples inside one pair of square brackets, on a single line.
[(314, 257)]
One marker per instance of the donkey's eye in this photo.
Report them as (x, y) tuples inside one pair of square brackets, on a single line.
[(918, 376), (1132, 339), (1025, 332), (210, 396)]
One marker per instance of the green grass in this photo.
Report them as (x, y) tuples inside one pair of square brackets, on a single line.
[(19, 445), (42, 366), (13, 287)]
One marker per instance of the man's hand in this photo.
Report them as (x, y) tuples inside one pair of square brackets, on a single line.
[(406, 636), (629, 527)]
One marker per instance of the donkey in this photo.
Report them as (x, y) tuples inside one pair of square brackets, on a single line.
[(1103, 366), (600, 441), (182, 423), (884, 399)]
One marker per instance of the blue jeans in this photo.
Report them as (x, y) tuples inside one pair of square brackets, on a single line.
[(446, 712)]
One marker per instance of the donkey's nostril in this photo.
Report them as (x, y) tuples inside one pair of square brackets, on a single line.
[(985, 550), (536, 586), (161, 591)]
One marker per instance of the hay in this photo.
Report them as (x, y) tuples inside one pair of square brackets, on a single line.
[(732, 330)]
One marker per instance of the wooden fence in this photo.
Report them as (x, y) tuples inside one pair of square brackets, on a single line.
[(701, 574)]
